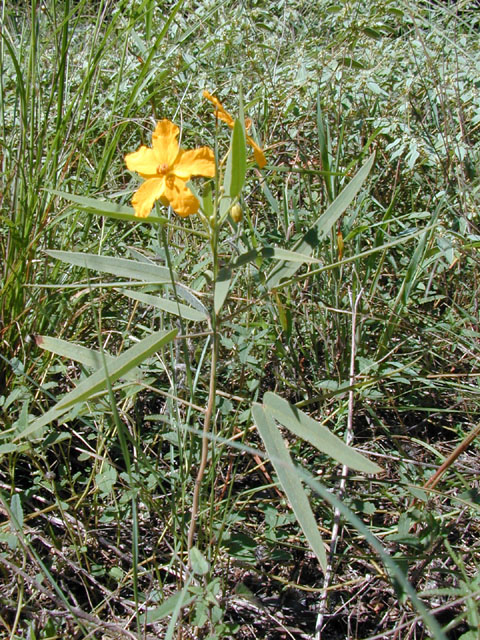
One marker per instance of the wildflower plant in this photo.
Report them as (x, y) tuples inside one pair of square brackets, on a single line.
[(167, 171)]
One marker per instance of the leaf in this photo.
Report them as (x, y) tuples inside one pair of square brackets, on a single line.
[(241, 547), (414, 268), (84, 355), (106, 480), (290, 481), (275, 253), (192, 300), (288, 256), (222, 286), (372, 33), (325, 150), (122, 363), (11, 448), (200, 565), (236, 162), (352, 63), (108, 209), (179, 599), (319, 436), (16, 511), (120, 267), (323, 225), (169, 306), (98, 380), (207, 200)]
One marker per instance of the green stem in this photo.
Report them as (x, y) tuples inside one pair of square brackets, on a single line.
[(211, 399), (184, 345)]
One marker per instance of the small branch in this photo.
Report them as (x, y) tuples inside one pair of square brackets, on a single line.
[(322, 608), (432, 482)]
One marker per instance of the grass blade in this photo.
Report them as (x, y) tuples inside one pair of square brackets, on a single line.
[(323, 225)]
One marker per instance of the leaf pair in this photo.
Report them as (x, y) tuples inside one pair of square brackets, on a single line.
[(276, 409)]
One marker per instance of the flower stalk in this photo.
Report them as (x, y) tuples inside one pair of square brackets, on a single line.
[(205, 445), (212, 390)]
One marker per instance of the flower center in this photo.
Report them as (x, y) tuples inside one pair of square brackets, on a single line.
[(162, 169)]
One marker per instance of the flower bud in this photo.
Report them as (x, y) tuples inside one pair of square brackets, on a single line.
[(236, 213)]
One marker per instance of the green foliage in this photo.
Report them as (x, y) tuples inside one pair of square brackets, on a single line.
[(146, 364)]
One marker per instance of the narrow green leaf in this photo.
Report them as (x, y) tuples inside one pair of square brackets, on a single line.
[(372, 33), (120, 267), (12, 448), (108, 209), (319, 436), (122, 363), (290, 481), (414, 268), (324, 143), (169, 306), (93, 204), (270, 197), (84, 355), (352, 63), (236, 162), (17, 511), (323, 225), (225, 204), (374, 542), (222, 286), (288, 256), (188, 295), (98, 380), (207, 200), (167, 608), (275, 253), (245, 258)]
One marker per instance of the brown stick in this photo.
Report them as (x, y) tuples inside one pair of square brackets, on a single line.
[(432, 482)]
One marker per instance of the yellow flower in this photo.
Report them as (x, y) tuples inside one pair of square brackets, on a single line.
[(222, 114), (166, 169)]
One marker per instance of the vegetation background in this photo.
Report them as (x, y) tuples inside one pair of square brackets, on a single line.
[(378, 344)]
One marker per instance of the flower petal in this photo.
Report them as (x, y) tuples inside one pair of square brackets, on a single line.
[(215, 101), (257, 152), (144, 161), (220, 112), (197, 162), (226, 117), (144, 198), (164, 141), (181, 199)]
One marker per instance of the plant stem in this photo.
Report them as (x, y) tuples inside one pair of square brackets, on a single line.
[(322, 609), (211, 398), (205, 442)]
